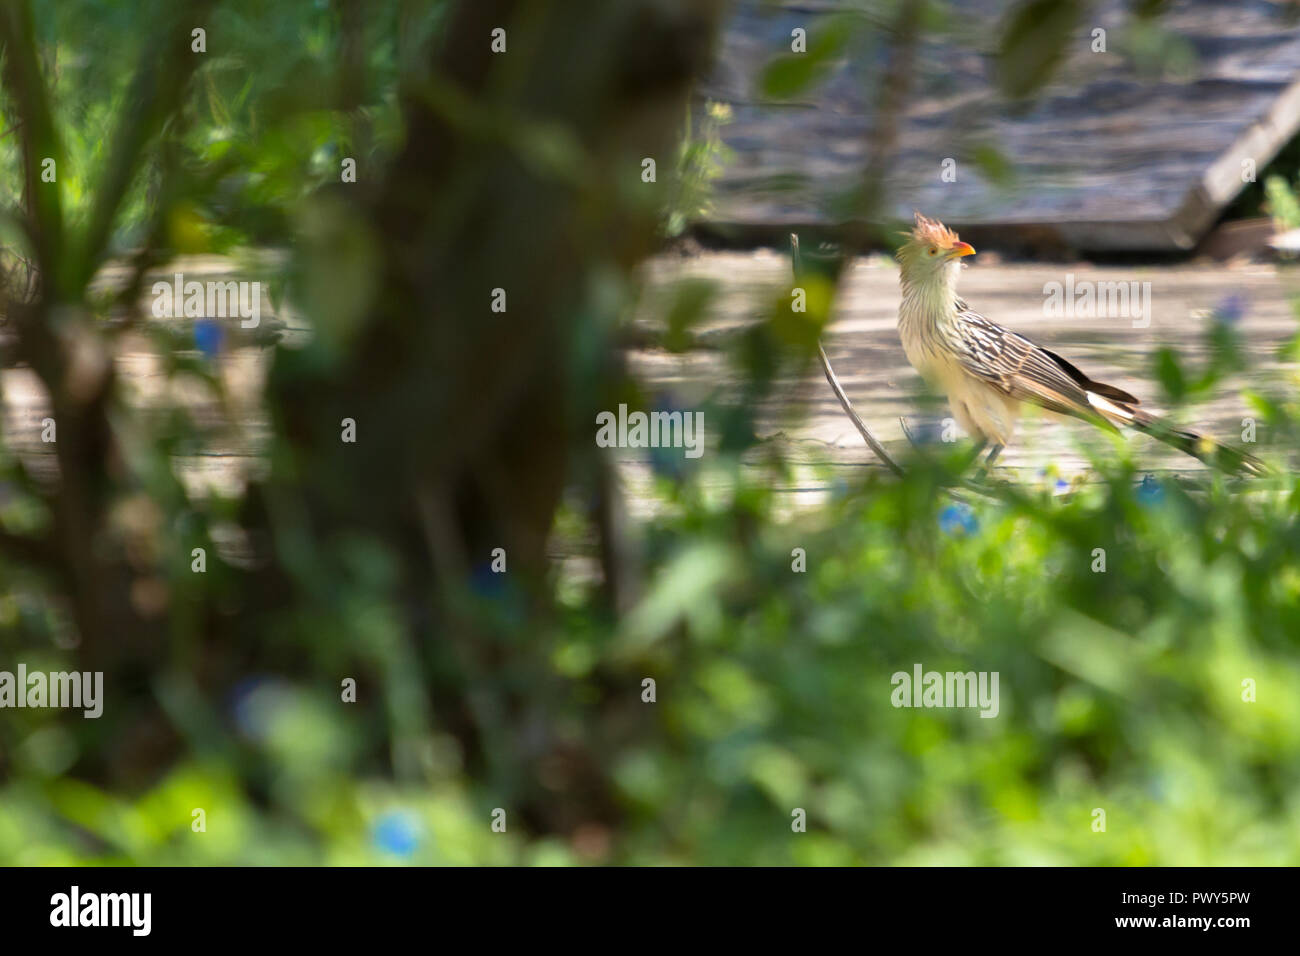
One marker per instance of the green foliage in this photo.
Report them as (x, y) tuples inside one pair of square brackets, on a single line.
[(793, 74), (263, 130), (1034, 42), (1223, 349), (1155, 51), (1281, 203), (993, 164), (701, 158), (1120, 689)]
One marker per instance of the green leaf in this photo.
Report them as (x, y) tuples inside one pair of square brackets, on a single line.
[(993, 165), (691, 301), (1034, 44), (1169, 372), (788, 76), (1261, 403)]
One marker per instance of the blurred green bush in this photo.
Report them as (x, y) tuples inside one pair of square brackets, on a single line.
[(477, 692)]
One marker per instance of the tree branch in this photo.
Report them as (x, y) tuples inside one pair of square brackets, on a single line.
[(836, 387)]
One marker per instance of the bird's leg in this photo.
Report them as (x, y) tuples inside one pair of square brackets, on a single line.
[(987, 465)]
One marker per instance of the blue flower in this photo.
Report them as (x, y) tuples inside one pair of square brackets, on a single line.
[(256, 702), (208, 336), (1150, 492), (958, 520), (487, 583), (668, 462), (396, 833), (926, 433)]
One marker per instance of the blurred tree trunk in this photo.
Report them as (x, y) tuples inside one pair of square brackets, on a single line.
[(521, 172), (520, 182)]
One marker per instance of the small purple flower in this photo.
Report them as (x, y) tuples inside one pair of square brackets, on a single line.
[(397, 833), (208, 336), (1231, 308), (958, 521)]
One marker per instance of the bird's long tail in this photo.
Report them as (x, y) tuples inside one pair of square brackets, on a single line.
[(1224, 457)]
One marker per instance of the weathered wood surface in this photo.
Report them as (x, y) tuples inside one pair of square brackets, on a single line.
[(1106, 158)]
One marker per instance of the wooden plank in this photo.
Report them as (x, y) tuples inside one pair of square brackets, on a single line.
[(1106, 158)]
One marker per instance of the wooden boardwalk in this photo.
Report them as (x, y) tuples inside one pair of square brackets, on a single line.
[(1120, 152)]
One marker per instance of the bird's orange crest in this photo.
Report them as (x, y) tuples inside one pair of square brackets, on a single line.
[(934, 232)]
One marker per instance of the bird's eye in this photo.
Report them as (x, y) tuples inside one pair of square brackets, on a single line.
[(933, 250)]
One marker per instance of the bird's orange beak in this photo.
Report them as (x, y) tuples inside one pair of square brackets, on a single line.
[(960, 249)]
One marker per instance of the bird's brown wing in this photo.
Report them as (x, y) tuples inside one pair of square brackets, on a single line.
[(1025, 371), (1091, 384), (1017, 367)]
